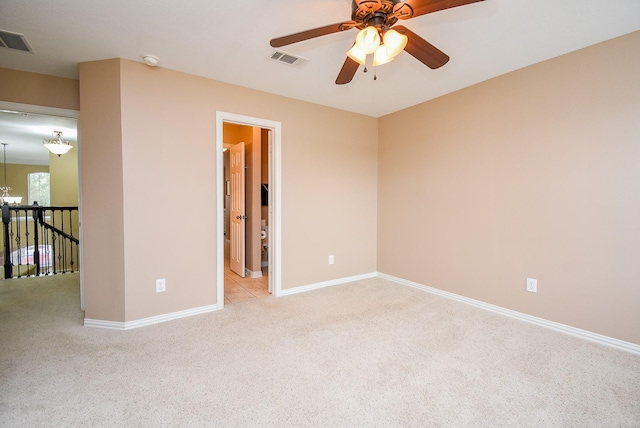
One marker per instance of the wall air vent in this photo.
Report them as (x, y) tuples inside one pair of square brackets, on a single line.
[(14, 41), (288, 58)]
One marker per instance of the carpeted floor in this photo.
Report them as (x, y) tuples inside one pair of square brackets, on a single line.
[(365, 354)]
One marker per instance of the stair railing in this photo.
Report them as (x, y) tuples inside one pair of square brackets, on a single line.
[(39, 240)]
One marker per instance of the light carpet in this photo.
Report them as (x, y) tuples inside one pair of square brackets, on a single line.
[(366, 354)]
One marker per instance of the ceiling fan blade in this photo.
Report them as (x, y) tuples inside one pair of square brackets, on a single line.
[(422, 50), (310, 34), (411, 8), (347, 71)]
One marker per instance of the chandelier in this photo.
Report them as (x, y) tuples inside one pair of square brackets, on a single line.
[(57, 145), (6, 198)]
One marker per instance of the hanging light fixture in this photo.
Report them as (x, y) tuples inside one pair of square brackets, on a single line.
[(57, 145), (6, 198), (394, 42), (368, 39), (356, 54), (381, 56), (384, 49)]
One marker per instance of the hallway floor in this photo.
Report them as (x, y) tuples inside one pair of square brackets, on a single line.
[(238, 289)]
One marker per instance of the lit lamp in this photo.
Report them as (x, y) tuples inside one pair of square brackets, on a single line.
[(57, 145), (368, 42), (6, 198), (356, 54), (381, 56), (394, 42)]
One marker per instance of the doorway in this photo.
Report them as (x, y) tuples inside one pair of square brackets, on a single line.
[(65, 183), (269, 209)]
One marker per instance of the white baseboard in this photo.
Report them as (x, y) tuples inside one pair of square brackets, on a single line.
[(108, 325), (128, 325), (305, 288), (252, 274), (562, 328)]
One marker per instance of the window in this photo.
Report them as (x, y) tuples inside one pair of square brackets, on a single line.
[(39, 189)]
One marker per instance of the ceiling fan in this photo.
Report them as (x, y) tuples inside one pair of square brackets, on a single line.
[(374, 19)]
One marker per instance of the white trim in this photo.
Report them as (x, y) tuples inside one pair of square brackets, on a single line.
[(74, 114), (107, 325), (317, 285), (128, 325), (275, 211), (36, 109), (252, 274), (562, 328)]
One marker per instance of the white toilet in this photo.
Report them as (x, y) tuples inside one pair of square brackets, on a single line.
[(264, 236)]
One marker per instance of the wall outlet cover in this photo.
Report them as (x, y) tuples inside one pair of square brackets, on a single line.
[(161, 285), (532, 285)]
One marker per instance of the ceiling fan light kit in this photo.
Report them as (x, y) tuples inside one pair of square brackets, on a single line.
[(381, 56), (394, 42), (368, 40), (357, 54), (374, 19)]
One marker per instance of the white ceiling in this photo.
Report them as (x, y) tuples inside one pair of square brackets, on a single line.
[(24, 134), (229, 41)]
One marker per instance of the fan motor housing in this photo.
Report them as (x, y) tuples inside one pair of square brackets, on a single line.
[(374, 12)]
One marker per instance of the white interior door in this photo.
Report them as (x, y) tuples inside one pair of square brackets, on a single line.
[(237, 209)]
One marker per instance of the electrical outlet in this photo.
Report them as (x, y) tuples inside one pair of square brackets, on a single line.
[(532, 285), (161, 285), (331, 260)]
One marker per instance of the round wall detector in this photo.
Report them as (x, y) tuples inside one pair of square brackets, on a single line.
[(150, 60)]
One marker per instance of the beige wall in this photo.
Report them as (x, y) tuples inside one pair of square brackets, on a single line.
[(532, 174), (64, 178), (49, 91), (38, 89), (264, 179), (102, 191), (63, 175), (252, 200), (167, 147), (18, 178)]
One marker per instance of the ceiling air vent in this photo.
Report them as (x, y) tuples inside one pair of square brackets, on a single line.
[(288, 58), (14, 41)]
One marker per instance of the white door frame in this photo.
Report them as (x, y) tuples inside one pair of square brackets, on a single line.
[(74, 114), (275, 211)]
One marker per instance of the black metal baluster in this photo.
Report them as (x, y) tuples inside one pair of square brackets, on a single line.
[(54, 239), (63, 246), (45, 242), (12, 234), (6, 223), (71, 242), (18, 240), (53, 247), (44, 233), (36, 241)]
